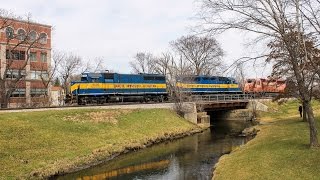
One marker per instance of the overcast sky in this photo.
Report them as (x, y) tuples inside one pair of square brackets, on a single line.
[(117, 29)]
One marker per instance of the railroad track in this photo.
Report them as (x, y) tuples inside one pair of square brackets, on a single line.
[(218, 97), (80, 106)]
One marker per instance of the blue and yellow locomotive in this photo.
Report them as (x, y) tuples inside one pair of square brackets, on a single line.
[(112, 87), (208, 85), (99, 88)]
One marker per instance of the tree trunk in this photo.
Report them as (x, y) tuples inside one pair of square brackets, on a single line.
[(312, 125), (304, 113), (4, 103), (3, 98)]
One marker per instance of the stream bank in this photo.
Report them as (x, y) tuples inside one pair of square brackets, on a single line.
[(191, 157)]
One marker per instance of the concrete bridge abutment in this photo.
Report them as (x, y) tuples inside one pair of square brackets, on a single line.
[(207, 112)]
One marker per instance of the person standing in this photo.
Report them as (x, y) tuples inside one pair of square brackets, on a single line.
[(300, 110)]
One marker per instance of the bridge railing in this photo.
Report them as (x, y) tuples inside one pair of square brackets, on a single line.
[(221, 97)]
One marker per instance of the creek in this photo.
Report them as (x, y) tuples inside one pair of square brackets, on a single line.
[(191, 157)]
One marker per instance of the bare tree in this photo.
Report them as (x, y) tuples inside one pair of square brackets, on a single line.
[(142, 63), (13, 72), (47, 75), (95, 65), (163, 63), (239, 75), (277, 22), (68, 66), (310, 14), (202, 53)]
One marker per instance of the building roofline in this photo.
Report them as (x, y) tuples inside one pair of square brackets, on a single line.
[(25, 21)]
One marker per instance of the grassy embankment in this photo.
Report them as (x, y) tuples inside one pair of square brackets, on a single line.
[(37, 144), (279, 151)]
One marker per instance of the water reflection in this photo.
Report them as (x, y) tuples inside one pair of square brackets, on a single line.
[(129, 170), (188, 158)]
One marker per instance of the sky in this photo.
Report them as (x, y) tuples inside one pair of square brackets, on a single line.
[(115, 30)]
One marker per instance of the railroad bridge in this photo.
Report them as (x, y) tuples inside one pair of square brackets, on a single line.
[(199, 109), (203, 109)]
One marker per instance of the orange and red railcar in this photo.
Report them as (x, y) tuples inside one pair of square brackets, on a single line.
[(264, 86)]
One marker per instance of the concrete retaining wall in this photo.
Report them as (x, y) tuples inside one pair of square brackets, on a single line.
[(191, 113), (257, 105)]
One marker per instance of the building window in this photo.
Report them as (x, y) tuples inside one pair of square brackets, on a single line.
[(39, 75), (19, 93), (33, 56), (43, 38), (38, 92), (14, 74), (43, 57), (42, 75), (33, 36), (21, 34), (15, 55), (33, 75), (9, 32)]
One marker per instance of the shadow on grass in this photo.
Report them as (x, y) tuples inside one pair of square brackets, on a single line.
[(294, 144), (290, 121)]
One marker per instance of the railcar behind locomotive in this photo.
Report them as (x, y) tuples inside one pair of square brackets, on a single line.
[(265, 86), (112, 87), (209, 85)]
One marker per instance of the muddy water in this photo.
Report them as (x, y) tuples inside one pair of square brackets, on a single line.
[(188, 158)]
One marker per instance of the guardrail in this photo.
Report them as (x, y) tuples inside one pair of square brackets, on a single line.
[(221, 97)]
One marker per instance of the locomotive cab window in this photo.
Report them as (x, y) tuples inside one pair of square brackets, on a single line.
[(95, 79), (84, 79), (108, 75)]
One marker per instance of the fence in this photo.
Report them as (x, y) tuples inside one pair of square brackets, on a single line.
[(221, 97)]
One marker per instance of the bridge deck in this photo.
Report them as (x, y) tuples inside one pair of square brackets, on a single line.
[(219, 102)]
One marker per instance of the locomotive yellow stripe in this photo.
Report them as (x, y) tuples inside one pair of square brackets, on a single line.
[(117, 86), (189, 86)]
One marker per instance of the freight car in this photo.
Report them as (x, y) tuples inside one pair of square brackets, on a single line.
[(264, 86), (99, 88)]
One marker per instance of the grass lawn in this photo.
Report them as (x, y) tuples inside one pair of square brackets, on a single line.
[(279, 151), (37, 144)]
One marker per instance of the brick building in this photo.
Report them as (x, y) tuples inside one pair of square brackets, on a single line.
[(25, 51)]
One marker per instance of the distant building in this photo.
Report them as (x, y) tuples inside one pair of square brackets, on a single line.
[(57, 96), (31, 89)]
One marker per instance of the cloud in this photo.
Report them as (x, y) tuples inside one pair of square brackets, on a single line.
[(116, 29)]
